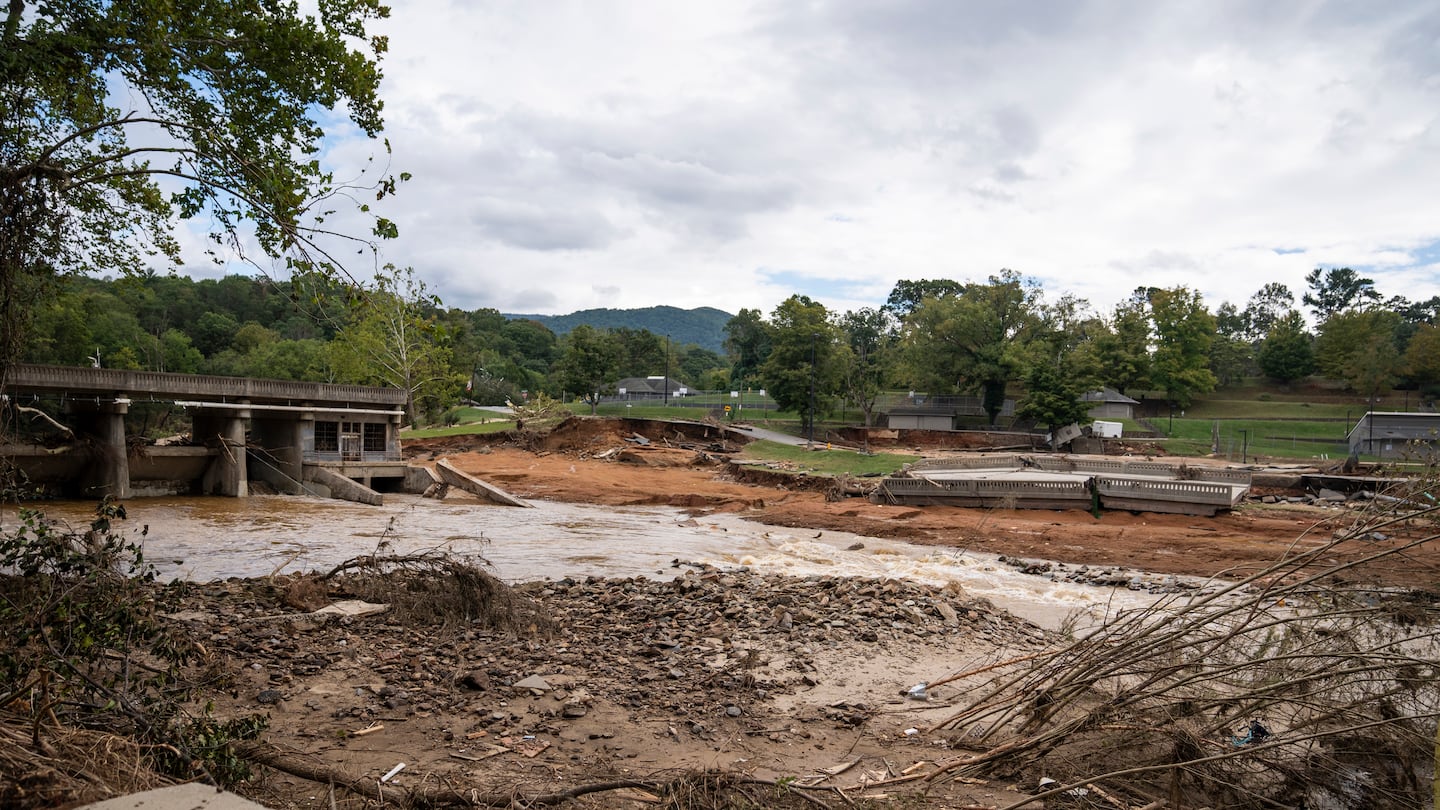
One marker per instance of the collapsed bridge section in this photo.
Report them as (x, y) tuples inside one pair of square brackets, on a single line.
[(1051, 482)]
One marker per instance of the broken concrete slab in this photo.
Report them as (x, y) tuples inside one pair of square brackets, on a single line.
[(178, 797), (449, 474)]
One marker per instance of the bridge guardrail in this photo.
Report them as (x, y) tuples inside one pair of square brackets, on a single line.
[(120, 381)]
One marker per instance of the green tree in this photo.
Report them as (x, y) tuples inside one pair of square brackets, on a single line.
[(1266, 308), (748, 342), (589, 363), (394, 340), (533, 345), (870, 336), (177, 354), (642, 352), (1287, 354), (699, 367), (976, 341), (1230, 359), (1184, 330), (223, 101), (1119, 356), (906, 295), (1358, 347), (803, 368), (1422, 356), (1051, 398), (1231, 322), (213, 331), (1337, 290)]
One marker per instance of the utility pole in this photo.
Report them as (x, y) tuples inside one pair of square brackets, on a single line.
[(814, 341), (667, 371)]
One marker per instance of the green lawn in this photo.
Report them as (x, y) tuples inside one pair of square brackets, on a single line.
[(1241, 438), (1267, 409), (494, 425)]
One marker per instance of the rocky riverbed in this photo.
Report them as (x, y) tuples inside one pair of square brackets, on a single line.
[(774, 676)]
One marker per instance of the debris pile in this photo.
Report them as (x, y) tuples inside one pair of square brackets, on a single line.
[(706, 643), (1109, 576)]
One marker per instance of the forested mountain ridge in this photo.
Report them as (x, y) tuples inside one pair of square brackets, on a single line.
[(703, 326)]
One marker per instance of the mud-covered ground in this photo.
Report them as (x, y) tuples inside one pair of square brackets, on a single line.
[(800, 681), (771, 677), (591, 461)]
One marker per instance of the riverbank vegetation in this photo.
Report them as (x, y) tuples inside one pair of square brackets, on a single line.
[(998, 352)]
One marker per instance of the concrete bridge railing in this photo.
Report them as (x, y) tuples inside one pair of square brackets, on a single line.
[(106, 381)]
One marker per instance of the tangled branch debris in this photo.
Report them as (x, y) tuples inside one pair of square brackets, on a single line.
[(95, 690), (437, 588), (1299, 685)]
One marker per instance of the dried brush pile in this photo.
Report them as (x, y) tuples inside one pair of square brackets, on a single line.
[(72, 766), (1294, 687), (436, 588)]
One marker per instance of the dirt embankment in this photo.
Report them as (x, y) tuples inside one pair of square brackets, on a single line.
[(602, 462)]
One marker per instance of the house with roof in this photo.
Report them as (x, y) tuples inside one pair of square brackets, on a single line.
[(1107, 403), (656, 387), (1395, 435), (921, 417)]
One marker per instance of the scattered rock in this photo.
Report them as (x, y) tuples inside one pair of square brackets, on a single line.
[(535, 683), (477, 679)]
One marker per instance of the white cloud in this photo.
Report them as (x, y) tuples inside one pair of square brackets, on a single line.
[(625, 154)]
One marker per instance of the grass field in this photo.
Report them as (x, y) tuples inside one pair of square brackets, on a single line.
[(1247, 438)]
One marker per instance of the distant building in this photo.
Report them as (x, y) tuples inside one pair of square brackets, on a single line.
[(920, 417), (1109, 403), (1395, 435), (649, 388)]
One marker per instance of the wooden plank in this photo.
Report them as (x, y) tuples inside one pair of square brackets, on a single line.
[(455, 478)]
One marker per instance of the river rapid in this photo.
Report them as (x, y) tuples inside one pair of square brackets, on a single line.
[(201, 539)]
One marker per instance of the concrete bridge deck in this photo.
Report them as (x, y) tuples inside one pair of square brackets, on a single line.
[(1049, 482), (316, 438)]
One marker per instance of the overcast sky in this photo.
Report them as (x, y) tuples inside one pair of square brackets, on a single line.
[(569, 155)]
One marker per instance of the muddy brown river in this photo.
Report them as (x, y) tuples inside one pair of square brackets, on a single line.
[(202, 539)]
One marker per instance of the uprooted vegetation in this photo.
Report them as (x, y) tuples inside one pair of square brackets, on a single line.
[(97, 690), (1297, 686), (103, 694)]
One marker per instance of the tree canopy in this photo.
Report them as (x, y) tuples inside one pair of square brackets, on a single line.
[(115, 118), (974, 341), (1183, 333), (804, 366), (1336, 290)]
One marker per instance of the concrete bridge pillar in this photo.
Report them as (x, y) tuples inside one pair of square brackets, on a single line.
[(280, 449), (224, 430), (103, 420)]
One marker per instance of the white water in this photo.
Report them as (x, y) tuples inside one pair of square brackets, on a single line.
[(201, 539)]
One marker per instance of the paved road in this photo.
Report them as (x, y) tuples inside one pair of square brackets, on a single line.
[(771, 435)]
